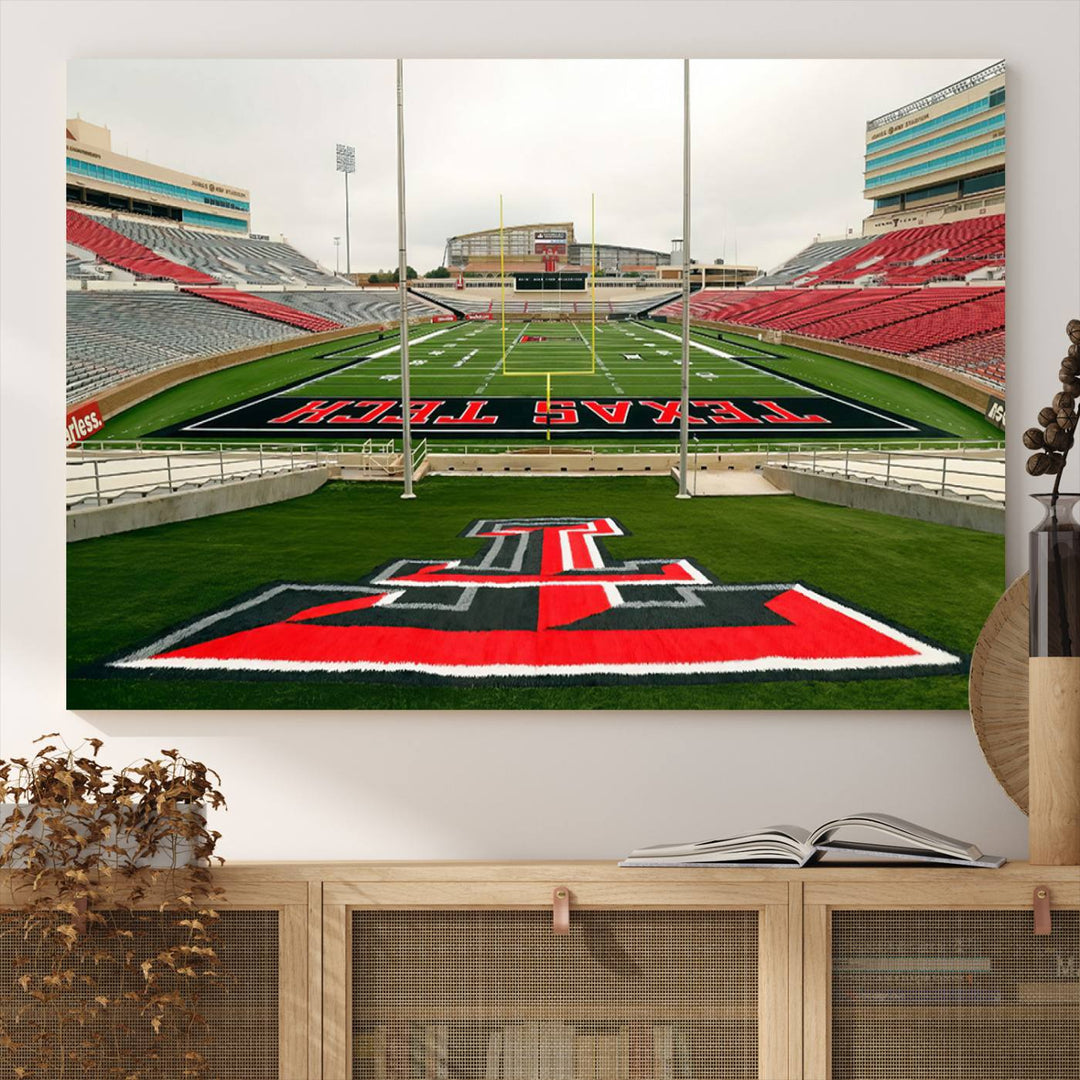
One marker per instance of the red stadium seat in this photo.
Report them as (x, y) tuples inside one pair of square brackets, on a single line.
[(267, 308), (126, 254), (122, 252)]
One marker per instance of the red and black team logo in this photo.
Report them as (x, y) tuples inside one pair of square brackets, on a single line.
[(542, 601)]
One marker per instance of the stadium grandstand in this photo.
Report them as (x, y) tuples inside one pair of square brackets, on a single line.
[(622, 298), (926, 278), (99, 178), (549, 245), (940, 159), (186, 305), (960, 328), (115, 335)]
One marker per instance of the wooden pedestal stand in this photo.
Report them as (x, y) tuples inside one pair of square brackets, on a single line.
[(1054, 760)]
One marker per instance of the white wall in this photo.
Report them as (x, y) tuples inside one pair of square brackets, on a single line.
[(356, 785)]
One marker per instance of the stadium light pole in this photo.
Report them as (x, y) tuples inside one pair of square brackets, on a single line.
[(684, 408), (403, 297), (337, 254), (346, 163)]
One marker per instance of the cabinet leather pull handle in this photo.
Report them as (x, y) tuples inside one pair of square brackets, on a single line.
[(560, 911), (1040, 903)]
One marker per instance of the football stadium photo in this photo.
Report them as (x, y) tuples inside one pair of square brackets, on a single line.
[(533, 383)]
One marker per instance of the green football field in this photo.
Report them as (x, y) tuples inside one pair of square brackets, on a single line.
[(633, 359), (125, 590)]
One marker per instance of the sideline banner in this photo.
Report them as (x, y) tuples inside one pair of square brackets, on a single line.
[(83, 422)]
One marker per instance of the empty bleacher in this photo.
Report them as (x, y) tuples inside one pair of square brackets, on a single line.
[(117, 250), (939, 327), (920, 255), (113, 335), (960, 327), (982, 356), (819, 254), (268, 309), (234, 260), (621, 300), (901, 304), (355, 307)]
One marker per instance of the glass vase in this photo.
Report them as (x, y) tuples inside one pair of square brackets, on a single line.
[(1055, 578)]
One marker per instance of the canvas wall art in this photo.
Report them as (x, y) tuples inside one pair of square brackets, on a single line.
[(533, 383)]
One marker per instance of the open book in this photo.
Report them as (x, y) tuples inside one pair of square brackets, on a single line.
[(859, 838)]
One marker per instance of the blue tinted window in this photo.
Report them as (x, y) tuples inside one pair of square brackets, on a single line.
[(144, 183), (983, 183), (992, 123), (216, 221), (937, 191), (995, 146), (944, 120)]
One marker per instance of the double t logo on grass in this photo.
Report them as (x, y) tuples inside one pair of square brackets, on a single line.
[(542, 602)]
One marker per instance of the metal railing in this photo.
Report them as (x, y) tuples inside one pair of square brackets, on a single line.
[(966, 475), (102, 478), (740, 446), (495, 446), (419, 454)]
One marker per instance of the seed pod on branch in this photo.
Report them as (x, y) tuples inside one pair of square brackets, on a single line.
[(1071, 386), (1061, 401), (1038, 464), (1065, 417), (1054, 463), (1074, 351), (1034, 439), (1070, 365), (1047, 416), (1057, 438), (1073, 330)]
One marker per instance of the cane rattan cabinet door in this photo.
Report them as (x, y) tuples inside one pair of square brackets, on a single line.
[(493, 993), (231, 1020), (246, 1021), (946, 992)]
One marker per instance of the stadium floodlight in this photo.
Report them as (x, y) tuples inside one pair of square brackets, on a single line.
[(346, 163)]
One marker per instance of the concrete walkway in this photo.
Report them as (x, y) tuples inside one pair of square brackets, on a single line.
[(728, 482)]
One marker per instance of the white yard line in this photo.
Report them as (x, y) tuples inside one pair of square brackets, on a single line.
[(308, 382), (607, 374), (791, 382)]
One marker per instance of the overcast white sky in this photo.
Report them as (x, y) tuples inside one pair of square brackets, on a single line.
[(777, 144)]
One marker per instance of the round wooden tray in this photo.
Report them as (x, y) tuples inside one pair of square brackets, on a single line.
[(998, 691)]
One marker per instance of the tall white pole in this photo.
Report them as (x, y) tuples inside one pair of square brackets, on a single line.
[(403, 296), (684, 411), (348, 243)]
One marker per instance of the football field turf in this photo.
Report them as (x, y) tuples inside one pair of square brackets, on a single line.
[(464, 384), (632, 360), (935, 581)]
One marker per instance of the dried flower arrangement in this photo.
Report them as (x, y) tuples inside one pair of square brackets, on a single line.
[(1054, 438), (107, 928)]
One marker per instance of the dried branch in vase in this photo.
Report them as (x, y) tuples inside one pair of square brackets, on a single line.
[(1054, 438)]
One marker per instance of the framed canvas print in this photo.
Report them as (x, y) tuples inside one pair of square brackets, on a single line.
[(460, 383)]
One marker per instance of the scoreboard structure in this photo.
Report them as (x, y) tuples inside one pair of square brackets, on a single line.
[(550, 282)]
